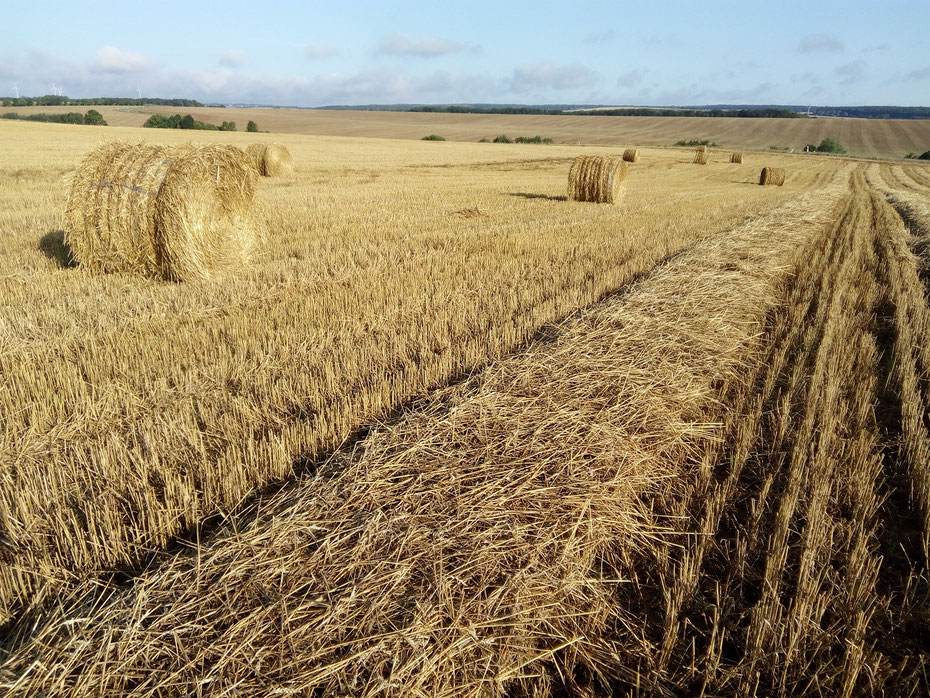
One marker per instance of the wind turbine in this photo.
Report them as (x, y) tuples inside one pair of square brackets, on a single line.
[(16, 89), (139, 90)]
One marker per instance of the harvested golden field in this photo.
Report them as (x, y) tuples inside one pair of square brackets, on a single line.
[(454, 434), (863, 137)]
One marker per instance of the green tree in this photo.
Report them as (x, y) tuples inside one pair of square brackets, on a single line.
[(94, 118), (251, 127), (228, 126), (188, 123), (156, 121), (831, 145)]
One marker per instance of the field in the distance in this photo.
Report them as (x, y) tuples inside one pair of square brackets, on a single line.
[(863, 137), (453, 434)]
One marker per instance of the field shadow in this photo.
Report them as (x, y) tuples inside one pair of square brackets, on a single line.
[(527, 195), (54, 247)]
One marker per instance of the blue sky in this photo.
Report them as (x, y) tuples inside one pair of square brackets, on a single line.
[(353, 52)]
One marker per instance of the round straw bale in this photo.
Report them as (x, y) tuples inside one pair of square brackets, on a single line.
[(700, 156), (178, 212), (772, 175), (596, 178), (702, 148), (271, 159), (631, 155), (111, 207), (737, 158)]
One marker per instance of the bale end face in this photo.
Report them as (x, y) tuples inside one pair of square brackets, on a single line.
[(271, 159), (596, 178), (772, 176)]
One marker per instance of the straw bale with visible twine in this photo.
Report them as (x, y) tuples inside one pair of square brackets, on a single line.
[(175, 212)]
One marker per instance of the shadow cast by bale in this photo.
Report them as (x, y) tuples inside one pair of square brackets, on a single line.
[(527, 195), (54, 247)]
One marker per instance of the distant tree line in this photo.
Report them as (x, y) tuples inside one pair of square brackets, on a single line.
[(91, 118), (64, 101), (768, 113), (188, 122), (874, 112)]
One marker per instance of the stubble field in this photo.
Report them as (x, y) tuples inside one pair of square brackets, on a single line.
[(452, 434)]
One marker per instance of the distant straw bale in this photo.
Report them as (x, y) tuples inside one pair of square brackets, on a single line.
[(702, 148), (271, 159), (736, 158), (700, 156), (631, 155), (175, 212), (772, 175), (596, 178)]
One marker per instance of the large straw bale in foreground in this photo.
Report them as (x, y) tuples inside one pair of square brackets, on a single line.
[(772, 175), (175, 212), (271, 159), (596, 178), (700, 156), (631, 155), (736, 158)]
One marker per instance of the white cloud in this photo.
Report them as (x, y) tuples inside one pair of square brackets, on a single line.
[(630, 78), (820, 43), (232, 58), (318, 51), (547, 76), (111, 59), (851, 72), (422, 46)]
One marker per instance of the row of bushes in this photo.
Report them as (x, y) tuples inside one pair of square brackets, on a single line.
[(694, 143), (915, 156), (498, 139), (190, 123), (91, 118)]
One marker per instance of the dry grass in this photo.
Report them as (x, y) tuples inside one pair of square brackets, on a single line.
[(271, 159), (772, 176), (180, 213), (479, 545), (596, 178), (134, 409), (736, 158), (631, 155)]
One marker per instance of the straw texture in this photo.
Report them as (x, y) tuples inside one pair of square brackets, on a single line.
[(596, 178), (179, 213)]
